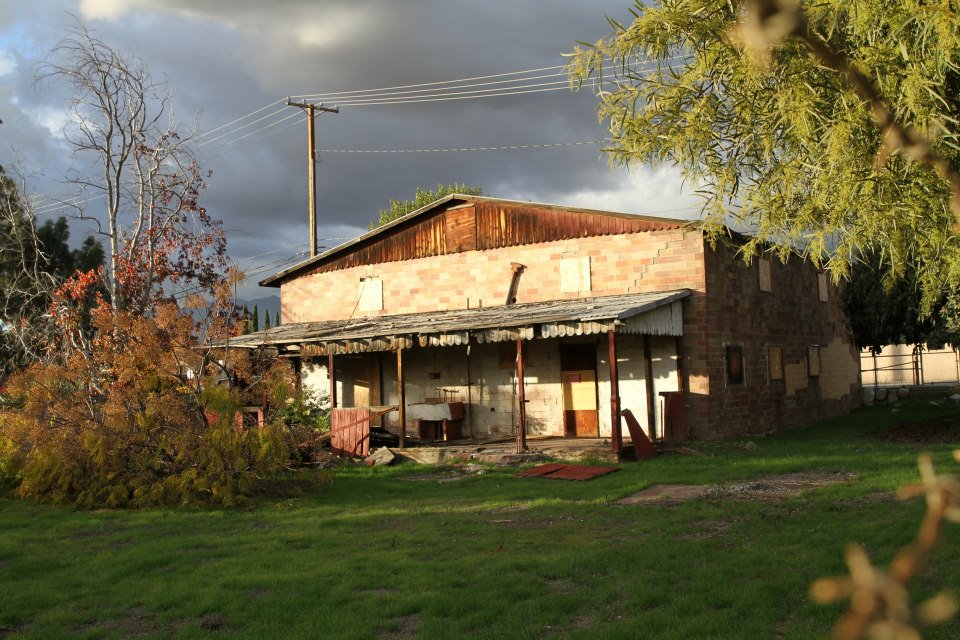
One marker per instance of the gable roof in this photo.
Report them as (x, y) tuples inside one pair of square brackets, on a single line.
[(612, 222)]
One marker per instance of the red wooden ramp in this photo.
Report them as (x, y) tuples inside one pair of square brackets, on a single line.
[(566, 471)]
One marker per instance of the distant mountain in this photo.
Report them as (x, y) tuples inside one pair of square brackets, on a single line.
[(268, 304)]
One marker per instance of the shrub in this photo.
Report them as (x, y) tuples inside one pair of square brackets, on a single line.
[(128, 422)]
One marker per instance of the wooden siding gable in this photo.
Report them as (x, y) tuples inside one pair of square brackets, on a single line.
[(470, 224)]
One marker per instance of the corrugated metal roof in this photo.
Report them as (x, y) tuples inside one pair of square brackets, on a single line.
[(487, 324), (346, 247)]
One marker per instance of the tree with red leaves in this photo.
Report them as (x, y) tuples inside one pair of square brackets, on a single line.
[(160, 240)]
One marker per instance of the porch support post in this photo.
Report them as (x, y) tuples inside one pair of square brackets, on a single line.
[(401, 398), (332, 377), (522, 427), (681, 366), (616, 437), (298, 373), (648, 377)]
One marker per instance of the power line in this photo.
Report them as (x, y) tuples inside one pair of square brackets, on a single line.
[(517, 84), (241, 128), (476, 93), (367, 93), (429, 84), (388, 91), (243, 117), (456, 149), (260, 130)]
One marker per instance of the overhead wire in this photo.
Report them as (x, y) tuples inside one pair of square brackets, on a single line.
[(518, 83), (415, 93), (511, 147), (366, 93)]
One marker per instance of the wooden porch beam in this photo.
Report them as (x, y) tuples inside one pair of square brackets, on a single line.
[(616, 437), (401, 398), (522, 427), (332, 377)]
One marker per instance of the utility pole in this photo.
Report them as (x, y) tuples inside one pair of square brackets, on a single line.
[(311, 110)]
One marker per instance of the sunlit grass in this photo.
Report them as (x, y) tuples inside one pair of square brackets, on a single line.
[(376, 554)]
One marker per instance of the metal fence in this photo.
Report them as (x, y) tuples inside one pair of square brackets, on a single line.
[(902, 364)]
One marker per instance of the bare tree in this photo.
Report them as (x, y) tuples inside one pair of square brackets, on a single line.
[(148, 179), (26, 285)]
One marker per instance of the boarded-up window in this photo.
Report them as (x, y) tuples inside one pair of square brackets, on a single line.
[(822, 286), (575, 274), (460, 229), (734, 364), (776, 362), (813, 361), (371, 294), (765, 282)]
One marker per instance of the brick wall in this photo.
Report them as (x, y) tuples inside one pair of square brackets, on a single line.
[(727, 306), (734, 311), (627, 263)]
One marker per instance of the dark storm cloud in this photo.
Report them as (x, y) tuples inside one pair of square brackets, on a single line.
[(228, 59)]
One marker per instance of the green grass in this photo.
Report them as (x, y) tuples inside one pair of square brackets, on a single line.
[(377, 554)]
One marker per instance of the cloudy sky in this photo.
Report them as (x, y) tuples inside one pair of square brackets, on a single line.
[(421, 74)]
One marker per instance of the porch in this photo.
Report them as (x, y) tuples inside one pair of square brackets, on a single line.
[(551, 375)]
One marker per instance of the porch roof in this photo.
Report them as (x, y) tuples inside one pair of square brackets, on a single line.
[(656, 313)]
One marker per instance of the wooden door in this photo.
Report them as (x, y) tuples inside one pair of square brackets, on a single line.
[(578, 364)]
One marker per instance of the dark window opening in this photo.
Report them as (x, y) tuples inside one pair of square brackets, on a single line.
[(734, 364)]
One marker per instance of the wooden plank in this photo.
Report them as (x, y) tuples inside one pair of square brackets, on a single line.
[(615, 434), (581, 423), (350, 432), (522, 427), (460, 230)]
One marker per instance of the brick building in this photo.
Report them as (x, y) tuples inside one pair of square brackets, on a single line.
[(454, 303)]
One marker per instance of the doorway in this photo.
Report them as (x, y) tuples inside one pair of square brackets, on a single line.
[(578, 375)]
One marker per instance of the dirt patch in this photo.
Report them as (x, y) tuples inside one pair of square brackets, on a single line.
[(533, 523), (668, 494), (406, 627), (449, 474), (768, 488), (708, 530), (212, 622), (939, 430), (563, 586), (136, 623)]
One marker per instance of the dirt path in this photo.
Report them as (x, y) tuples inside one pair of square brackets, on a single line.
[(767, 488)]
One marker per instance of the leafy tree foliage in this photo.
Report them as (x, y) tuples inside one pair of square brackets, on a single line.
[(423, 197), (788, 145), (881, 309), (34, 261), (146, 417)]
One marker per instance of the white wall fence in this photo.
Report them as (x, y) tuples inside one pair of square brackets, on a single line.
[(903, 364)]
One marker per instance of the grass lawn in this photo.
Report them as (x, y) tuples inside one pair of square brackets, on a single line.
[(379, 553)]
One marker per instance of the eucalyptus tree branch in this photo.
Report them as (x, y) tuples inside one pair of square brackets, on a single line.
[(772, 21)]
